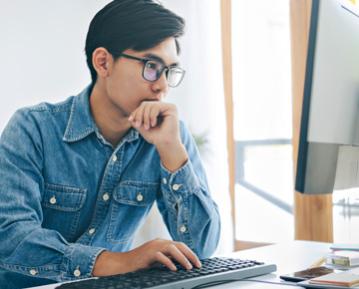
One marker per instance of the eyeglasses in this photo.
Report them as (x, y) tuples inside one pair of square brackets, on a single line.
[(153, 69)]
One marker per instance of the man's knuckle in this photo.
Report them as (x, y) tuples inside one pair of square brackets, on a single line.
[(172, 246), (158, 241), (182, 244)]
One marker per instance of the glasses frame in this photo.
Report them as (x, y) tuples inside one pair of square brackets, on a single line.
[(165, 68)]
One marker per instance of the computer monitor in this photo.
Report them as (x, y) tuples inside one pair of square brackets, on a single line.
[(328, 156)]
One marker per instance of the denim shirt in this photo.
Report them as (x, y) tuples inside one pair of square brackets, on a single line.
[(66, 194)]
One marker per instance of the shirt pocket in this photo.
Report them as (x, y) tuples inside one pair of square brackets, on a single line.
[(62, 207), (131, 203)]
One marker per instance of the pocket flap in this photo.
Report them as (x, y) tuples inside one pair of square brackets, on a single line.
[(135, 194), (63, 198)]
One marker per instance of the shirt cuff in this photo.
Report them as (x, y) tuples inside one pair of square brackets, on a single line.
[(180, 183), (79, 261)]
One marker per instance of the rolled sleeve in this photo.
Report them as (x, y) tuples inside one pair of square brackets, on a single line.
[(77, 262), (181, 182), (185, 203)]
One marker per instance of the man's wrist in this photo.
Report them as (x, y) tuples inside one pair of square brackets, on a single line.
[(173, 155), (111, 263)]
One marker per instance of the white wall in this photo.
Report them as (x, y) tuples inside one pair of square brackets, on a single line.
[(42, 51)]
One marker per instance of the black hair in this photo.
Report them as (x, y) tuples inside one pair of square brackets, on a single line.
[(131, 24)]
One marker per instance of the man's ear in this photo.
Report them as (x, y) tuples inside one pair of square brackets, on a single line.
[(102, 61)]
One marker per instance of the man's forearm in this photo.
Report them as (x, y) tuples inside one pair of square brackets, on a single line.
[(173, 156), (111, 263)]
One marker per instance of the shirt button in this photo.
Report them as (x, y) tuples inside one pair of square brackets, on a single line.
[(105, 197), (114, 158), (139, 197), (77, 273), (164, 181), (92, 231), (176, 187), (53, 200), (33, 272), (183, 229)]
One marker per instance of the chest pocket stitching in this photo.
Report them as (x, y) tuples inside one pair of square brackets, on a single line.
[(125, 194), (67, 199), (129, 194)]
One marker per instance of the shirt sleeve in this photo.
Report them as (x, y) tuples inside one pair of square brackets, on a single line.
[(26, 247), (189, 212)]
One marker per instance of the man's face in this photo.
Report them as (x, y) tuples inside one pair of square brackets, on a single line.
[(125, 85)]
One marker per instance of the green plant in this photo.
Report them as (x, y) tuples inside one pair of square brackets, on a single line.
[(201, 141)]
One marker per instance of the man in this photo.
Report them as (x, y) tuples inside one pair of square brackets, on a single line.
[(78, 177)]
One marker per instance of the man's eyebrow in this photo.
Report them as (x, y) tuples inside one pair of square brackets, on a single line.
[(159, 59)]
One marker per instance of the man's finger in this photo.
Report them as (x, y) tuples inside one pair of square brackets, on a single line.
[(179, 256), (190, 255), (163, 259), (138, 116), (146, 116), (155, 111)]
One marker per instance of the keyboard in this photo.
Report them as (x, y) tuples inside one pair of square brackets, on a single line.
[(214, 271)]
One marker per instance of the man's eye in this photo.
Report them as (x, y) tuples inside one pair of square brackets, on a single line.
[(153, 65)]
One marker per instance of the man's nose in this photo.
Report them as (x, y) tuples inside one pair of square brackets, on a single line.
[(161, 84)]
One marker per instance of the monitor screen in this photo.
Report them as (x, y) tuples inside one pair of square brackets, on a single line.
[(328, 155)]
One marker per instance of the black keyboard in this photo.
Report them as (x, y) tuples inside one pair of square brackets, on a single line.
[(213, 271)]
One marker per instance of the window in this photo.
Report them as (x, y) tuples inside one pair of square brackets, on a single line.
[(262, 120), (346, 216)]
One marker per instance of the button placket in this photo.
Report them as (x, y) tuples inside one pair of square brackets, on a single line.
[(176, 187), (105, 197), (183, 229)]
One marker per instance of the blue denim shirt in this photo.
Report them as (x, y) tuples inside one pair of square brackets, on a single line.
[(66, 194)]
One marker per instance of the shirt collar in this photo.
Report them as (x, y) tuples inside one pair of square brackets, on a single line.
[(81, 123)]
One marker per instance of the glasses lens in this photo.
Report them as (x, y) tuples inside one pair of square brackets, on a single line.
[(152, 70), (175, 76)]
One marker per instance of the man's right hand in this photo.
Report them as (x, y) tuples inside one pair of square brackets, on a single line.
[(158, 250)]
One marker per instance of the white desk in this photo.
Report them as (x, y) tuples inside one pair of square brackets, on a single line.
[(289, 257)]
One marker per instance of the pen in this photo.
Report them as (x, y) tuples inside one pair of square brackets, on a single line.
[(318, 263)]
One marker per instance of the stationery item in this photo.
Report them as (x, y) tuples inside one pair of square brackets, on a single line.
[(306, 284), (343, 258), (318, 263), (348, 278), (347, 247), (306, 274)]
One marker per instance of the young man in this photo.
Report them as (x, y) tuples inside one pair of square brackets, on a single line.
[(78, 177)]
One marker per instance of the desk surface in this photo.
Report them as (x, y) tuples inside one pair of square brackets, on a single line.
[(289, 257)]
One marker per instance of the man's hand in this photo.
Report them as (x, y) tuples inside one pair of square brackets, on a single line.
[(155, 251), (158, 123)]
